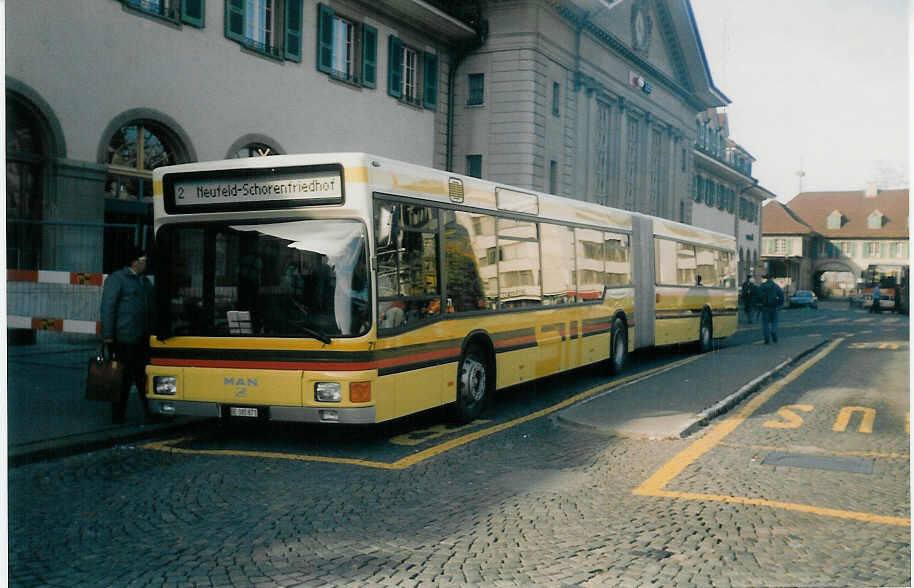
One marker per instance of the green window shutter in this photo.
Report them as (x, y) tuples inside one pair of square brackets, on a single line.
[(789, 246), (882, 249), (430, 95), (395, 67), (325, 16), (192, 12), (292, 49), (853, 250), (369, 56), (234, 19)]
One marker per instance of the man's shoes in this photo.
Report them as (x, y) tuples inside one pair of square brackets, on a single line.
[(767, 342), (774, 337)]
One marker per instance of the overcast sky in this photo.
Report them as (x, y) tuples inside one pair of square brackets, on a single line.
[(818, 86)]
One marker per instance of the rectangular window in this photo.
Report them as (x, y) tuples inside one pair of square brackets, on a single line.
[(553, 177), (674, 263), (178, 11), (601, 170), (631, 163), (555, 98), (518, 264), (558, 259), (872, 249), (347, 49), (476, 89), (617, 255), (464, 276), (409, 287), (780, 246), (412, 76), (343, 48), (474, 166), (271, 27)]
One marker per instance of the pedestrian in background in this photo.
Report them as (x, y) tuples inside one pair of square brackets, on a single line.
[(877, 296), (126, 314), (771, 298), (750, 298)]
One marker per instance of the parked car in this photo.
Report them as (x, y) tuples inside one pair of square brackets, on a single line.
[(802, 298)]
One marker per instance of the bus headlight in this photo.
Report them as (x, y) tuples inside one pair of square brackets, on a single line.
[(328, 392), (165, 385)]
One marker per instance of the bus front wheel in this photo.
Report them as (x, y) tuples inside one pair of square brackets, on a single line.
[(618, 347), (473, 382), (705, 333)]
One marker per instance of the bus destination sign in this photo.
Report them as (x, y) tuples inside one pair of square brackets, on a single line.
[(302, 187)]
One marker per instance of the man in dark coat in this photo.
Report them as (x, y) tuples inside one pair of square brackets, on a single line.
[(771, 299), (126, 314)]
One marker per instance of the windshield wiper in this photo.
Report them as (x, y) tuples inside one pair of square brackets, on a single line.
[(325, 339)]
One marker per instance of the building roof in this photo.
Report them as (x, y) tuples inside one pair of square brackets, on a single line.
[(855, 207), (777, 219)]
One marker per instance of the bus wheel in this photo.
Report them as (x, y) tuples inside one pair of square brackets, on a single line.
[(472, 384), (619, 347), (705, 333)]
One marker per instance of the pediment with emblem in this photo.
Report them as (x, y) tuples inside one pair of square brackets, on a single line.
[(646, 29)]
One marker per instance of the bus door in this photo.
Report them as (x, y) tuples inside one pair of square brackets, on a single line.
[(643, 267)]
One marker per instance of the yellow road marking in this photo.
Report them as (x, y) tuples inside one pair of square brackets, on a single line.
[(432, 451), (654, 486), (805, 451)]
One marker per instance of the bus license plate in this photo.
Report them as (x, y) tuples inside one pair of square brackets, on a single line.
[(243, 411)]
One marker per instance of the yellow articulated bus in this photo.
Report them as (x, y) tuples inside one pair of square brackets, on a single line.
[(350, 288)]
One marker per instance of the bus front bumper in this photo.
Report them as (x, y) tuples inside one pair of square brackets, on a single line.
[(301, 414)]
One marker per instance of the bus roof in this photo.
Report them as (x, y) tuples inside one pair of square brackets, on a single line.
[(412, 180)]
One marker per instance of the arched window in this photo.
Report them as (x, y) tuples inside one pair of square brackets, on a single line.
[(255, 150), (134, 150), (25, 156)]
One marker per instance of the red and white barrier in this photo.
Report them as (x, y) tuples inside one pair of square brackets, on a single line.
[(55, 277), (53, 324)]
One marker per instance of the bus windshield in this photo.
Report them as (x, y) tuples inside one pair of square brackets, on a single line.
[(305, 278)]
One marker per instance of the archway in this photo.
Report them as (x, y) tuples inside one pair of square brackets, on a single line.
[(835, 280)]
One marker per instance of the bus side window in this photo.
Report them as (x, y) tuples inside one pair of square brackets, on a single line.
[(464, 282), (618, 259), (558, 263)]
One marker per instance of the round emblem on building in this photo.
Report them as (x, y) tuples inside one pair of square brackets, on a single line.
[(641, 27)]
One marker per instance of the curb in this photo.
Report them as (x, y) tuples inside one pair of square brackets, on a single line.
[(703, 418), (746, 390), (87, 442)]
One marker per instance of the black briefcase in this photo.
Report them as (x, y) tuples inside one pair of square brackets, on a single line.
[(105, 378)]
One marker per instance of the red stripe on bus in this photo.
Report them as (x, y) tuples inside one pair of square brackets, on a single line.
[(310, 365), (515, 341), (267, 365)]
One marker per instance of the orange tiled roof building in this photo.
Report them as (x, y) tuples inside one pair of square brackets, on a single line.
[(828, 241)]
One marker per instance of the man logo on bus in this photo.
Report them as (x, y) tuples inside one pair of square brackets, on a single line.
[(230, 381)]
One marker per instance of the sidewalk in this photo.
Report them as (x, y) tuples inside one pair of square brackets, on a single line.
[(48, 415), (677, 403)]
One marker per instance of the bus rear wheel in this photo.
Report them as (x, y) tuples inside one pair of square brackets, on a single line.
[(473, 384), (705, 333), (618, 347)]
